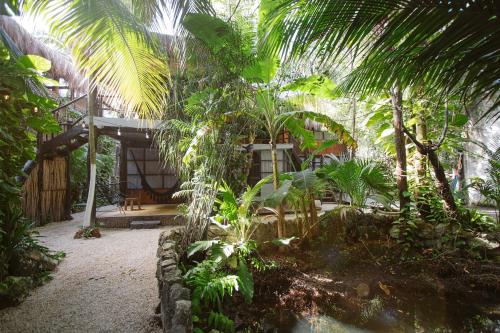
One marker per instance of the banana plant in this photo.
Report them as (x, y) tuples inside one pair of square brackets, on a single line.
[(225, 269)]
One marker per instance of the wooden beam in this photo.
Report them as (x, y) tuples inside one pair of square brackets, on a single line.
[(62, 139)]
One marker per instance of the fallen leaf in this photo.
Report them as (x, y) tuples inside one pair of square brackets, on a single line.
[(384, 288)]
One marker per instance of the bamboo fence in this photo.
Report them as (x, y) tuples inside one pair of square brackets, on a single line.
[(53, 194)]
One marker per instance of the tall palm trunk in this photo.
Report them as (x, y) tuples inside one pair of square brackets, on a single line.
[(89, 217), (442, 184), (421, 166), (399, 141), (276, 184)]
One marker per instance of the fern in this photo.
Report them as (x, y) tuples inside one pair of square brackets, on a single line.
[(221, 322), (210, 284)]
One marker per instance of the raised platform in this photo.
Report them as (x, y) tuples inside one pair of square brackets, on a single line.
[(113, 217)]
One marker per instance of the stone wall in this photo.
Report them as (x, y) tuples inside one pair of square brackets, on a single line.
[(175, 299), (124, 221)]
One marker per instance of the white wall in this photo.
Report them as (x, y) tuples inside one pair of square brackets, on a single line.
[(486, 132)]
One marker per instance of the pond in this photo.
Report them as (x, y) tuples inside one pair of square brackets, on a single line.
[(387, 320), (409, 305)]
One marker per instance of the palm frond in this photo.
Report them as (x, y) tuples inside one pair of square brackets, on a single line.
[(449, 46), (110, 44)]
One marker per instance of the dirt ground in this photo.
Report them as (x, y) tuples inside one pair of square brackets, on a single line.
[(102, 285)]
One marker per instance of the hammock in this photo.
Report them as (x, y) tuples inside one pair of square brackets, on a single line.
[(159, 197)]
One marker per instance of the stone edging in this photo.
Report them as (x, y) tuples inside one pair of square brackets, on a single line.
[(175, 299)]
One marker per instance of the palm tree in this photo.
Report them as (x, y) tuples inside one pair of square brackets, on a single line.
[(452, 44), (115, 45), (452, 47)]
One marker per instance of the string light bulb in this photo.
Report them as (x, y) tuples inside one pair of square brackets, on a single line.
[(147, 135), (119, 132), (35, 109)]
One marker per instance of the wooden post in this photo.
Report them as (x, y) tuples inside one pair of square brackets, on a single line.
[(123, 168), (39, 208), (67, 203)]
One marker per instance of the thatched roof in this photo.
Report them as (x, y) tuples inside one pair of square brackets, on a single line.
[(62, 65)]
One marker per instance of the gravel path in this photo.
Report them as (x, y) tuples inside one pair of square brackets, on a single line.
[(103, 285)]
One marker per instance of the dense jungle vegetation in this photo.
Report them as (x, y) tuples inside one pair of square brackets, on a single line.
[(400, 85)]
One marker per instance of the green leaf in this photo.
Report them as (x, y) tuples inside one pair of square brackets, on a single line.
[(212, 31), (221, 251), (246, 281), (316, 85), (47, 82), (261, 70), (42, 103), (296, 126), (332, 126), (375, 119), (201, 246), (35, 62), (44, 122), (460, 120)]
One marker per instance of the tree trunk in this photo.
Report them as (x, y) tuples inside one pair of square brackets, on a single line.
[(353, 124), (421, 166), (314, 217), (399, 142), (442, 184), (276, 184), (249, 158), (89, 216)]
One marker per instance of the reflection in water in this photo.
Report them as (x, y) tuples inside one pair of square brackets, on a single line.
[(287, 322), (436, 318), (324, 324)]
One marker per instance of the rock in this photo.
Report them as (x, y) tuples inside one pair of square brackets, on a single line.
[(168, 246), (177, 293), (35, 255), (168, 262), (47, 263), (179, 329), (484, 244), (182, 315), (363, 290), (165, 255)]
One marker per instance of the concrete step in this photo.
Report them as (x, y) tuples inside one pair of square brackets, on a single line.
[(144, 224)]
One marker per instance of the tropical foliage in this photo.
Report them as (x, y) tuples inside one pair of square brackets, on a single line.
[(404, 42), (360, 180), (25, 112)]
